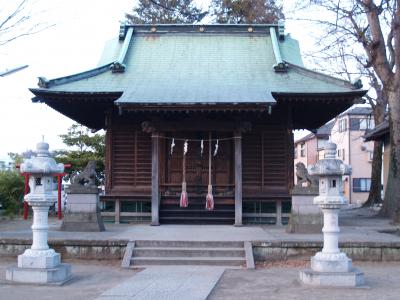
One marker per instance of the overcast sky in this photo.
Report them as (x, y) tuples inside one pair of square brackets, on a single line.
[(74, 44)]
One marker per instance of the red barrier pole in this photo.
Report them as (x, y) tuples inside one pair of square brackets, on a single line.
[(59, 197), (26, 191)]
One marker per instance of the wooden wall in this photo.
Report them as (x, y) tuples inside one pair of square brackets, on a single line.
[(266, 161), (128, 162), (266, 149)]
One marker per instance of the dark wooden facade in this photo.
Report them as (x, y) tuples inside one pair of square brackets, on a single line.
[(265, 160)]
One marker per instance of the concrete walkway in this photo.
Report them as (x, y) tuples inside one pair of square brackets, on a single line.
[(357, 225), (175, 283)]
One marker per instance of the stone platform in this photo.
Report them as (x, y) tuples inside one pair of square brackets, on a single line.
[(306, 217), (57, 275), (39, 267), (352, 278), (82, 211)]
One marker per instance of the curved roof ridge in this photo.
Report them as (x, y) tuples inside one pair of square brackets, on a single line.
[(357, 85), (45, 83)]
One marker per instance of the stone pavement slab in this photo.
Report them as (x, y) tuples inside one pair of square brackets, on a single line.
[(167, 282), (356, 225)]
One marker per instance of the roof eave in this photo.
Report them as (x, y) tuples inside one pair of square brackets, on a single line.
[(378, 132), (313, 96), (195, 106)]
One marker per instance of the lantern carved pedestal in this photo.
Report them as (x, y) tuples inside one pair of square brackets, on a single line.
[(40, 264), (330, 267)]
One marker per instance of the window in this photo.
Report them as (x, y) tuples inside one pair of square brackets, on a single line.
[(361, 124), (303, 150), (295, 152), (342, 125), (370, 123), (361, 185), (370, 155), (340, 154), (321, 143), (355, 124)]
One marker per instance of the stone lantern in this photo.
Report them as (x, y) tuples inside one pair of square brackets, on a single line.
[(40, 264), (330, 267)]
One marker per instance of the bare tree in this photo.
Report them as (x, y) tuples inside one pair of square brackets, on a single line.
[(16, 20), (247, 11), (366, 33), (166, 12)]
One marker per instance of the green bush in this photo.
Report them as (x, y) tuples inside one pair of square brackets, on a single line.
[(11, 192)]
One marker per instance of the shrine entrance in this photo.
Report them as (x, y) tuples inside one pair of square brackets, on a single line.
[(193, 168)]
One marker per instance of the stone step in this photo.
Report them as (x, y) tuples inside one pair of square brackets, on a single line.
[(198, 209), (209, 261), (211, 253), (196, 213), (197, 220), (197, 206), (188, 252), (198, 201), (202, 201), (188, 244)]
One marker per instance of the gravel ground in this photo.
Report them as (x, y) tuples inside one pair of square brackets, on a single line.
[(269, 281), (90, 279), (279, 281)]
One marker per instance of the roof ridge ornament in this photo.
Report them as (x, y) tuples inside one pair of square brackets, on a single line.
[(43, 82), (119, 66), (357, 83), (280, 65)]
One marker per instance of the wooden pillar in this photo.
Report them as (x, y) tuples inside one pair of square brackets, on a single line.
[(117, 211), (238, 178), (108, 151), (279, 212), (155, 191)]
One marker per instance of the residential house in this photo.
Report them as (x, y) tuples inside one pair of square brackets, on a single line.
[(347, 131), (308, 149)]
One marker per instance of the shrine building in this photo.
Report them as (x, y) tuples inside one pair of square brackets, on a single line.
[(201, 109)]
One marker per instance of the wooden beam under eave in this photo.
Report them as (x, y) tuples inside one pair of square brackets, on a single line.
[(198, 125)]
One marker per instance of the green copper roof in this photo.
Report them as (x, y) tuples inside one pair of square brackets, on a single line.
[(184, 64)]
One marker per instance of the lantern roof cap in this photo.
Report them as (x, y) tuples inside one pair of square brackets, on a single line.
[(42, 164), (330, 165)]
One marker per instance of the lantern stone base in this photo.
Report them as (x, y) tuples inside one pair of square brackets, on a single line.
[(351, 278), (82, 213), (57, 275), (332, 270), (39, 259), (331, 262), (41, 267)]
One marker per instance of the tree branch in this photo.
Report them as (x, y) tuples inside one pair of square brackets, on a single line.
[(17, 10), (377, 49)]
